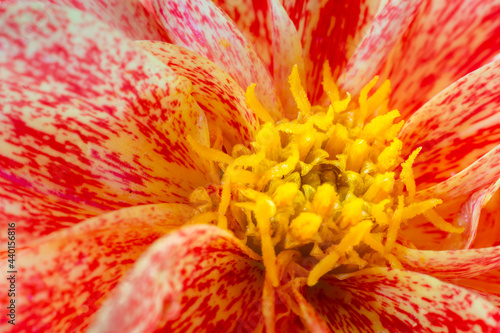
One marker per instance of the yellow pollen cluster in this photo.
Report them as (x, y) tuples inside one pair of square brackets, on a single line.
[(331, 184)]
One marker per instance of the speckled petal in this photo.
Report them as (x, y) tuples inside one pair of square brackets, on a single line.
[(253, 19), (63, 278), (330, 30), (90, 123), (447, 40), (385, 30), (287, 52), (456, 127), (129, 16), (488, 230), (382, 299), (197, 279), (199, 25), (220, 97)]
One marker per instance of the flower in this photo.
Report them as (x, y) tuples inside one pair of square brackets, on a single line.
[(108, 149)]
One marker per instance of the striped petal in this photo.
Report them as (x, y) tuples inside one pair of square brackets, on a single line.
[(90, 123), (330, 30), (447, 40), (202, 27), (381, 299), (220, 97), (456, 127), (63, 278), (387, 27), (287, 52), (252, 18), (128, 16), (197, 279)]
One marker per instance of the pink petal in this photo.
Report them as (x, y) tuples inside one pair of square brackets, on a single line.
[(447, 40), (202, 27), (330, 30), (220, 97), (253, 19), (128, 16), (385, 30), (199, 278), (62, 279), (457, 126), (83, 130), (287, 52), (391, 300)]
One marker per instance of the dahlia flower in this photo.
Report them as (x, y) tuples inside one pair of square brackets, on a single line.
[(250, 165)]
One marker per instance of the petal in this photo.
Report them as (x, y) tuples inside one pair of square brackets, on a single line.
[(447, 40), (220, 97), (480, 174), (457, 126), (488, 231), (63, 278), (252, 19), (330, 30), (385, 31), (382, 299), (89, 128), (199, 278), (199, 25), (487, 284), (450, 264), (287, 52), (464, 211), (128, 16)]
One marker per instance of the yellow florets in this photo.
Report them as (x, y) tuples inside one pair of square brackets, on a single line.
[(331, 184)]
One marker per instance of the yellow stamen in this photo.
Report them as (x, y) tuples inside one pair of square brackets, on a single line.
[(328, 84), (253, 104), (298, 92), (407, 173)]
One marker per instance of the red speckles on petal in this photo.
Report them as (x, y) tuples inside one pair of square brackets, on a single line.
[(90, 123), (197, 279), (400, 301), (220, 97), (128, 16), (447, 40), (199, 25), (63, 278), (456, 127), (385, 30)]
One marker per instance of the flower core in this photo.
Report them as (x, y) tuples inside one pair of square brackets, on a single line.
[(330, 185)]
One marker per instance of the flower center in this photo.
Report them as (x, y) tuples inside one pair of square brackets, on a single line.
[(331, 184)]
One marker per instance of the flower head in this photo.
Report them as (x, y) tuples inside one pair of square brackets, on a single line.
[(251, 165)]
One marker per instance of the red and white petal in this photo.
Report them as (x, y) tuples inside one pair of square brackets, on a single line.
[(220, 97), (330, 30), (456, 127), (197, 279), (370, 55), (90, 123), (287, 52), (447, 40), (199, 25), (382, 299), (64, 278), (128, 16), (253, 19)]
